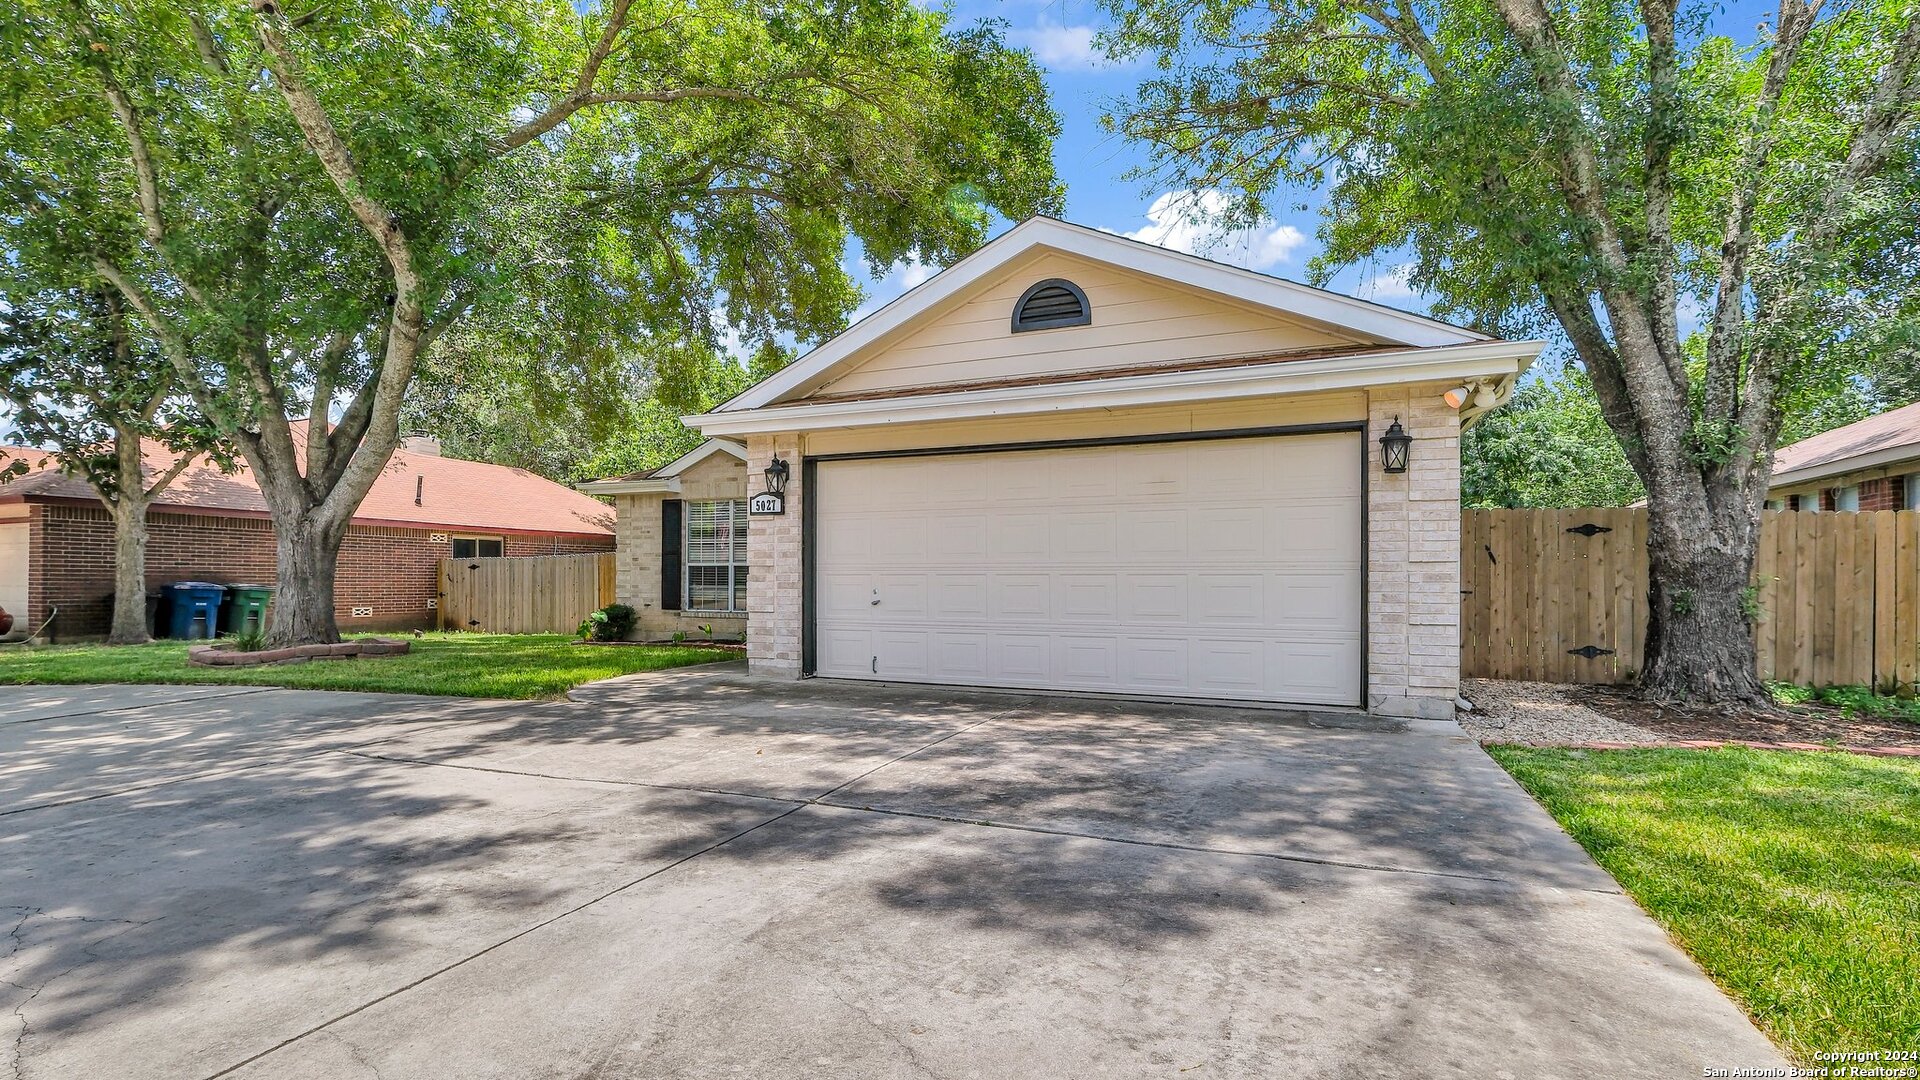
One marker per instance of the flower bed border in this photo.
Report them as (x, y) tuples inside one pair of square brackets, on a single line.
[(223, 654)]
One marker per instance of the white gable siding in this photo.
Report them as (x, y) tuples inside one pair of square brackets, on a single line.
[(1136, 320)]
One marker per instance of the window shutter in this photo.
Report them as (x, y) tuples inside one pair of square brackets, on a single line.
[(670, 554)]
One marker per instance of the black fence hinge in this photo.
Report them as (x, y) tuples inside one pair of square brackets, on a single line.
[(1589, 651)]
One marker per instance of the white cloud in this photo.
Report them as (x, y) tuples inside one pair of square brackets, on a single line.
[(1066, 48), (1392, 285), (900, 277), (1184, 221)]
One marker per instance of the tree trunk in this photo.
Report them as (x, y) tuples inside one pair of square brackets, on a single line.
[(309, 553), (1699, 623), (129, 572)]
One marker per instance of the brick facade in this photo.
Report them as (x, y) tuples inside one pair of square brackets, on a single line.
[(1884, 493), (1413, 558), (774, 578), (392, 570)]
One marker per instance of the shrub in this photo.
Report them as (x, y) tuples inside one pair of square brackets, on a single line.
[(611, 623)]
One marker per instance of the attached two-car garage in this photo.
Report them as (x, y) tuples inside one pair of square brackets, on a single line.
[(1226, 567)]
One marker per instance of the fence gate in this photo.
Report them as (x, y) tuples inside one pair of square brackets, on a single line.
[(1561, 595), (539, 594)]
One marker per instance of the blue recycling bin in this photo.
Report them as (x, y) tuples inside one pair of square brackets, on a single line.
[(193, 608)]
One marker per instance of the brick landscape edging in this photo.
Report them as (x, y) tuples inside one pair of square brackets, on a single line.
[(223, 654)]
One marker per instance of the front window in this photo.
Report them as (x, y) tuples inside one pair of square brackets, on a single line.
[(477, 547), (716, 556)]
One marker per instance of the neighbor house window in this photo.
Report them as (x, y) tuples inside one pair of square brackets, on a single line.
[(477, 547), (716, 556), (1846, 498)]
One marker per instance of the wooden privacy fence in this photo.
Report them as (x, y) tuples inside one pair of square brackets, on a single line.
[(538, 594), (1561, 595)]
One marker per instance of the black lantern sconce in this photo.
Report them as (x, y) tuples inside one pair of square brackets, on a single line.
[(777, 476), (1393, 448)]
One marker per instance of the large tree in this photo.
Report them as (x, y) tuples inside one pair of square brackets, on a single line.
[(1616, 171), (296, 204), (81, 381)]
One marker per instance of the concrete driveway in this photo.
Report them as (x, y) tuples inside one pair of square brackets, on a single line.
[(700, 874)]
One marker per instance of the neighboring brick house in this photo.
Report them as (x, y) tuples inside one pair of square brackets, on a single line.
[(682, 542), (56, 540), (1075, 462), (1873, 464)]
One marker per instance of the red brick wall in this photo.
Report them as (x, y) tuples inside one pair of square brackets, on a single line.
[(1884, 493), (394, 571)]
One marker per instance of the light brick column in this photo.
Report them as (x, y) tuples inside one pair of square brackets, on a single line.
[(1413, 557), (773, 571)]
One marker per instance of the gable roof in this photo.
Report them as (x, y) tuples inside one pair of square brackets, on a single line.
[(666, 478), (1385, 324), (455, 495), (1890, 437)]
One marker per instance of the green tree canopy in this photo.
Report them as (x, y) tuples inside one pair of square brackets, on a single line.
[(1601, 171), (298, 204)]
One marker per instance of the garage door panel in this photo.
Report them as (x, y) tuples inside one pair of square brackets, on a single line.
[(958, 597), (1021, 659), (1154, 663), (1156, 598), (961, 656), (1230, 598), (958, 538), (1086, 660), (1155, 536), (1019, 539), (1081, 597), (901, 654), (899, 540), (1314, 601), (844, 594), (1319, 672), (1083, 536), (1227, 568), (1018, 596), (844, 651), (1227, 667)]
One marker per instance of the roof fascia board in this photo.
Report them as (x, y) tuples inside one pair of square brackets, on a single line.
[(1478, 360), (699, 454), (1244, 285), (668, 486), (1842, 466)]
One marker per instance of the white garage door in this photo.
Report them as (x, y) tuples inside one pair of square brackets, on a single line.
[(1228, 568), (13, 570)]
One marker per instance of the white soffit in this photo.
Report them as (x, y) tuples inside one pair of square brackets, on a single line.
[(1364, 318), (1479, 359)]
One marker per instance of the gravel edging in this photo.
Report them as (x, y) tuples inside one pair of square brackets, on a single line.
[(1540, 714)]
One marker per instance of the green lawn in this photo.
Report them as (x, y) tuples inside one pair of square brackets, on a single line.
[(471, 665), (1792, 877)]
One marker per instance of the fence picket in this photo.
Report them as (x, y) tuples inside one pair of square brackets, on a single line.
[(539, 594), (1839, 596)]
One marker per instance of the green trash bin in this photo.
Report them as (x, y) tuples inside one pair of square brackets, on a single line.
[(244, 609)]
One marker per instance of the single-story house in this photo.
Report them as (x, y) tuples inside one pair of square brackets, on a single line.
[(1075, 462), (56, 539), (683, 542), (1873, 464)]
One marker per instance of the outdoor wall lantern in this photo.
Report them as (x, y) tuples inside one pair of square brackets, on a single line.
[(1393, 448), (777, 475)]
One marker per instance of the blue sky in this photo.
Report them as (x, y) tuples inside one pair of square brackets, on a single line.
[(1095, 165)]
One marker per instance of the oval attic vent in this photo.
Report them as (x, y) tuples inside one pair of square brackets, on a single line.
[(1051, 303)]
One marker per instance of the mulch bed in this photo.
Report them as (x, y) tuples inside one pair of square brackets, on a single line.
[(1798, 727)]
